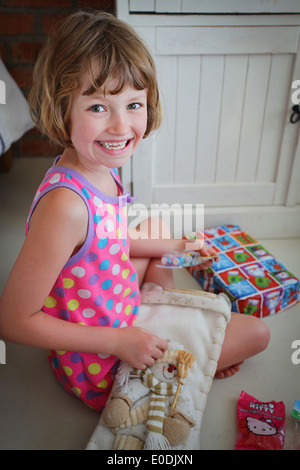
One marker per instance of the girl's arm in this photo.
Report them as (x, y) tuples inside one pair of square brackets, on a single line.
[(141, 247), (57, 228)]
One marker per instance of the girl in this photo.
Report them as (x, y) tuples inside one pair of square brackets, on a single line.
[(94, 92)]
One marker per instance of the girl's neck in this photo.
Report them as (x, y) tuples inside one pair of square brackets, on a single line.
[(99, 176)]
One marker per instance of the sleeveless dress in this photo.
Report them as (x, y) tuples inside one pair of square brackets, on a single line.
[(98, 286)]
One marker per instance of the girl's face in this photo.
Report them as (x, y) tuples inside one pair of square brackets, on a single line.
[(106, 129)]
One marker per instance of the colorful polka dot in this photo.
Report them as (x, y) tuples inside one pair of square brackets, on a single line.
[(128, 309), (93, 279), (86, 193), (135, 310), (106, 284), (75, 358), (68, 283), (133, 294), (119, 307), (84, 293), (126, 292), (59, 291), (104, 321), (125, 273), (97, 201), (94, 368), (104, 265), (116, 269), (97, 218), (98, 300), (110, 208), (68, 371), (81, 377), (109, 226), (55, 363), (64, 314), (102, 242), (78, 271), (88, 313), (114, 249), (102, 384), (50, 302), (90, 257), (117, 289), (103, 356), (73, 304), (55, 178)]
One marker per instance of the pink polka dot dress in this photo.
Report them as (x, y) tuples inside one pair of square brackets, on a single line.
[(98, 286)]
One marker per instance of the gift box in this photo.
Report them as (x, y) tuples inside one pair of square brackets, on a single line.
[(255, 282)]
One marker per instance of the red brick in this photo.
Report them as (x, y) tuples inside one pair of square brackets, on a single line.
[(39, 3), (3, 52), (25, 52), (98, 4), (48, 21), (16, 23)]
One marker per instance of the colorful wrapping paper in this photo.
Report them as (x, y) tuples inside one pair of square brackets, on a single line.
[(253, 279)]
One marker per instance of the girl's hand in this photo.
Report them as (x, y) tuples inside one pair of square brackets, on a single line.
[(204, 250), (207, 251), (139, 348)]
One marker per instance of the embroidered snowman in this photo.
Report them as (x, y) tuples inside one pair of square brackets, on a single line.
[(146, 409)]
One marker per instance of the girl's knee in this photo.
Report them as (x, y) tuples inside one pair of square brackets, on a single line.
[(261, 335)]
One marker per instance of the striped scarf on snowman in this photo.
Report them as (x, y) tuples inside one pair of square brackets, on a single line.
[(160, 391)]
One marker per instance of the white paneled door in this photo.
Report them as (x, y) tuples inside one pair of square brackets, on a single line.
[(226, 139)]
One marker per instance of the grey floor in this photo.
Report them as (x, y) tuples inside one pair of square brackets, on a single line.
[(35, 413)]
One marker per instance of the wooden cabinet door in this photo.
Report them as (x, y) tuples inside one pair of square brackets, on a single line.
[(226, 138)]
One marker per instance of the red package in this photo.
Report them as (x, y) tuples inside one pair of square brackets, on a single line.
[(260, 425)]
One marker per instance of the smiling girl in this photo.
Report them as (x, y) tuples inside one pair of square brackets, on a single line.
[(74, 289)]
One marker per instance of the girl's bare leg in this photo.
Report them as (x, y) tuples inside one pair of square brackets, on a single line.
[(245, 337), (147, 267)]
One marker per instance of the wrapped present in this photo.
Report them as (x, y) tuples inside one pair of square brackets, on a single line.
[(256, 282)]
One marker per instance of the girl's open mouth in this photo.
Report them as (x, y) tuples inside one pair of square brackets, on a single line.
[(114, 146)]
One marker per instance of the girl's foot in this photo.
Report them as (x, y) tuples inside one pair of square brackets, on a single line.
[(229, 371)]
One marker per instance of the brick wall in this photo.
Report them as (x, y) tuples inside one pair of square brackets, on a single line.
[(24, 26)]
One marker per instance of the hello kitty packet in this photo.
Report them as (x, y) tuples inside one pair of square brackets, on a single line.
[(260, 425)]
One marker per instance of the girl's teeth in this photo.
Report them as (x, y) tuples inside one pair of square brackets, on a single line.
[(113, 145)]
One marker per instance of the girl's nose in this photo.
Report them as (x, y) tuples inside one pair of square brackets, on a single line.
[(171, 368), (118, 124)]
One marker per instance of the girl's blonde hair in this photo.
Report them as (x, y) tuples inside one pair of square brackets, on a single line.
[(82, 40)]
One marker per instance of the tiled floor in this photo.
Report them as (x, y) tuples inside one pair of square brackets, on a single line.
[(35, 413)]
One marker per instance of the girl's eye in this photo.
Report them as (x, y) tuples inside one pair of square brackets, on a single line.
[(96, 108), (135, 106)]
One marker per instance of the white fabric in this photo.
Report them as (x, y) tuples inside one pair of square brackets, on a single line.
[(15, 118), (197, 320)]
